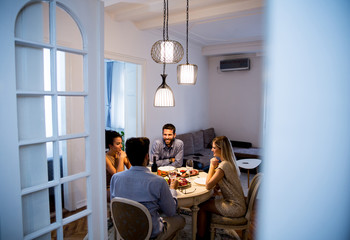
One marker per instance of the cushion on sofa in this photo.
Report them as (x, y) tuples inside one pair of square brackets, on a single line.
[(247, 152), (209, 135), (198, 141), (188, 143)]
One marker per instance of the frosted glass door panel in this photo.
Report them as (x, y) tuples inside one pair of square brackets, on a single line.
[(68, 33), (30, 69), (31, 117), (69, 72), (36, 207), (33, 159), (70, 115), (33, 23), (73, 155)]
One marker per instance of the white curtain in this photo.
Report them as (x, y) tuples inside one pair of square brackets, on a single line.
[(117, 101), (121, 97)]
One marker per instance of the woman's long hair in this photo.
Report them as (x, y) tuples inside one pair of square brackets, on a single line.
[(227, 153)]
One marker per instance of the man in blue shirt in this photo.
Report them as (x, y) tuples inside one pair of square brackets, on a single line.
[(151, 190), (168, 151)]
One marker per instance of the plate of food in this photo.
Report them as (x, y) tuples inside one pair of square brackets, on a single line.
[(183, 173), (200, 181), (183, 182), (166, 178), (164, 171)]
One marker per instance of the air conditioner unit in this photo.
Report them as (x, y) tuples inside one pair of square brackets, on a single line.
[(235, 64)]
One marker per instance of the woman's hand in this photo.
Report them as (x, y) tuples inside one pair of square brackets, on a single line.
[(122, 158), (217, 191), (174, 184), (214, 174), (214, 162), (121, 154)]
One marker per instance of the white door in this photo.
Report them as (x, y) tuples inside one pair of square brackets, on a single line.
[(52, 118)]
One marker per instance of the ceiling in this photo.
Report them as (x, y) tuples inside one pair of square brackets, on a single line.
[(212, 23)]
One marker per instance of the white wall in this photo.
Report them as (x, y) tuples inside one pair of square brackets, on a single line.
[(191, 102), (235, 107)]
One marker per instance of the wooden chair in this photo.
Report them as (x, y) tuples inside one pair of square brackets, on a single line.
[(131, 219), (239, 223)]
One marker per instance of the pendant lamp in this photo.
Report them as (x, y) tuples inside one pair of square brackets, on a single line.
[(187, 73), (166, 51), (164, 96)]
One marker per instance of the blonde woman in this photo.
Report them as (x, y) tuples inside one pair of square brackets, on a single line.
[(116, 158), (225, 176)]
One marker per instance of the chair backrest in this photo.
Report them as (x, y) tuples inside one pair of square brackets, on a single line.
[(252, 194), (131, 219)]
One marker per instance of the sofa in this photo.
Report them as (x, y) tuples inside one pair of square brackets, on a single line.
[(197, 146)]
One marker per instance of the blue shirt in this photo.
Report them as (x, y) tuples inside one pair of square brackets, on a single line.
[(139, 184), (163, 153)]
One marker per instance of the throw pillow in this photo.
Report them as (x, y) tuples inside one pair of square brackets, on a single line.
[(209, 135), (188, 143), (198, 141)]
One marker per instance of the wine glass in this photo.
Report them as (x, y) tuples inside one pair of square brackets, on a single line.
[(172, 175), (189, 166)]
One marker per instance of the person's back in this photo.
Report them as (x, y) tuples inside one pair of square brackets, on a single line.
[(140, 185)]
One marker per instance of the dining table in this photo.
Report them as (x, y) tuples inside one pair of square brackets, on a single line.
[(191, 196)]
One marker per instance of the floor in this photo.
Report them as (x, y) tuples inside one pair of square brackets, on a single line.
[(75, 230)]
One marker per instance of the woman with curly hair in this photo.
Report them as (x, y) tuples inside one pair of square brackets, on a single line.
[(116, 158)]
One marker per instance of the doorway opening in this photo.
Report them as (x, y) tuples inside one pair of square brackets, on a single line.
[(123, 97)]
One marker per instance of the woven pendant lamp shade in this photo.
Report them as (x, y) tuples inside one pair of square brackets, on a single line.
[(167, 51)]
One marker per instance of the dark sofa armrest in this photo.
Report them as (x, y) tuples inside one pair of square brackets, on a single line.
[(241, 144)]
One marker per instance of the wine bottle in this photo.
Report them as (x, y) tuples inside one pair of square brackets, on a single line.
[(154, 164)]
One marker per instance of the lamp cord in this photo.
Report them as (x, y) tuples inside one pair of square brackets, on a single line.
[(165, 25), (165, 20), (187, 32)]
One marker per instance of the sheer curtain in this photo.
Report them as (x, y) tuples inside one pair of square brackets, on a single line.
[(108, 93), (115, 117)]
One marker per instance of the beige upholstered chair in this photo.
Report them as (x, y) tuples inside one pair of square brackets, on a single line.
[(131, 219), (240, 223)]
